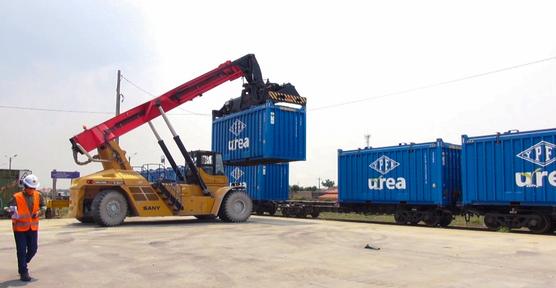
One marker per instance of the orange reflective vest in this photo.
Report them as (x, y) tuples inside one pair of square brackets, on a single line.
[(24, 220)]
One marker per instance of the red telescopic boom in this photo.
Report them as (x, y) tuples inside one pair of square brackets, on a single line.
[(117, 126)]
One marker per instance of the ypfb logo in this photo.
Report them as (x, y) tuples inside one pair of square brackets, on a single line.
[(541, 154), (238, 143), (237, 127), (383, 165), (236, 173)]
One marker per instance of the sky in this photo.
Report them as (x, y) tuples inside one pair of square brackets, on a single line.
[(63, 55)]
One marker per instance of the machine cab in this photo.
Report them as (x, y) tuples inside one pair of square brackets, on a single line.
[(210, 162)]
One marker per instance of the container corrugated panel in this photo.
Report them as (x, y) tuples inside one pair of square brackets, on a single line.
[(268, 133), (426, 174), (510, 168), (268, 182)]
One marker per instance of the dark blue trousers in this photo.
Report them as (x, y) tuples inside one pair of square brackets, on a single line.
[(26, 243)]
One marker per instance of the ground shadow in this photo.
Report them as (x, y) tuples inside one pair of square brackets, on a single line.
[(15, 283), (135, 221)]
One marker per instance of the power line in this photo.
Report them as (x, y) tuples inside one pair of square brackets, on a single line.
[(138, 87), (70, 111), (52, 110), (152, 95), (315, 109), (435, 84)]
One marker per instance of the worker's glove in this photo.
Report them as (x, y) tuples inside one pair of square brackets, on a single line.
[(12, 210), (35, 215)]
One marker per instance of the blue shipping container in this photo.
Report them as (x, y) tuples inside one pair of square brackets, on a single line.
[(510, 168), (423, 174), (268, 133), (164, 174), (266, 182)]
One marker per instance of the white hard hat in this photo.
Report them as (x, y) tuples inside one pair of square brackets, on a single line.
[(31, 181)]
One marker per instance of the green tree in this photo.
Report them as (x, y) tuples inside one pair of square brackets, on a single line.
[(295, 188), (328, 183)]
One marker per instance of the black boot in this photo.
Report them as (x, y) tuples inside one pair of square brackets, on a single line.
[(25, 277)]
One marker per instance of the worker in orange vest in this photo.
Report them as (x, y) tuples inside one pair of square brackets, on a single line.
[(26, 208)]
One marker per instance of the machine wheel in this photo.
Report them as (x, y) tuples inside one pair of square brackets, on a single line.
[(432, 218), (445, 219), (491, 222), (539, 224), (48, 214), (205, 217), (109, 208), (236, 207)]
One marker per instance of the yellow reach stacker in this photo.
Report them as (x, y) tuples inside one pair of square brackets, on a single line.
[(107, 197)]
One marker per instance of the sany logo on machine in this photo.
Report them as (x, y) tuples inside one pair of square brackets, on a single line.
[(542, 154), (239, 143), (383, 165)]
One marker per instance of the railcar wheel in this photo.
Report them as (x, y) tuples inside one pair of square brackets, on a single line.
[(432, 218), (272, 210), (445, 219), (400, 217), (539, 224), (315, 214), (491, 222)]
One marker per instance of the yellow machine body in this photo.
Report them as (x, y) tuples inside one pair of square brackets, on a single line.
[(143, 198)]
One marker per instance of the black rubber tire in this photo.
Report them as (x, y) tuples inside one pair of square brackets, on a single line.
[(445, 219), (48, 214), (543, 225), (205, 217), (109, 208), (236, 207), (491, 223)]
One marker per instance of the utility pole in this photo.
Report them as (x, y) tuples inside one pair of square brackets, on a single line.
[(368, 140), (10, 160), (319, 183), (118, 97)]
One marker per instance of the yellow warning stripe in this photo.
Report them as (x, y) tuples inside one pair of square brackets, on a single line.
[(282, 97)]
